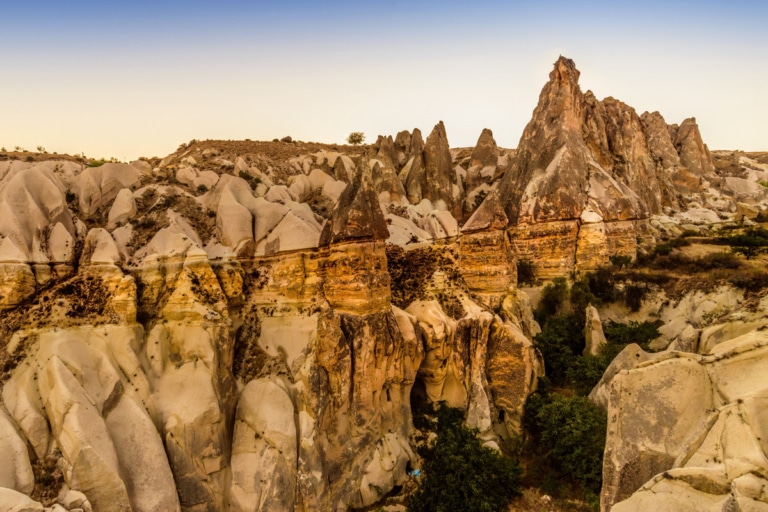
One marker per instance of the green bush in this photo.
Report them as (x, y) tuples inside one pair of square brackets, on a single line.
[(252, 180), (634, 293), (665, 248), (581, 296), (573, 431), (583, 373), (602, 282), (462, 474), (753, 281), (620, 261), (618, 336), (553, 296), (750, 243), (356, 138), (560, 342)]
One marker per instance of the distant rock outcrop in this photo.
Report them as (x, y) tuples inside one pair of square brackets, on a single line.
[(431, 175)]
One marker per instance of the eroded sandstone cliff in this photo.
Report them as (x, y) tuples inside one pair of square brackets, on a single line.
[(228, 328)]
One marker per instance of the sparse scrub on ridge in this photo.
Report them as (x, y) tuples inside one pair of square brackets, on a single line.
[(356, 138)]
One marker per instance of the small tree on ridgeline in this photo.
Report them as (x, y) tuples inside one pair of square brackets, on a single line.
[(356, 138)]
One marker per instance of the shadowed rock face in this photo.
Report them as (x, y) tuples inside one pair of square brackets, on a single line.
[(548, 178), (432, 176), (485, 153), (580, 153), (694, 154), (357, 216)]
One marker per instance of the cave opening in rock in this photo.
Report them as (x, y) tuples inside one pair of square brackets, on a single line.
[(419, 399), (502, 415)]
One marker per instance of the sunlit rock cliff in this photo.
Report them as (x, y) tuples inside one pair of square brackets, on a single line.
[(249, 325)]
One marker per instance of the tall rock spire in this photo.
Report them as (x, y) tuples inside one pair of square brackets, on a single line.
[(357, 216)]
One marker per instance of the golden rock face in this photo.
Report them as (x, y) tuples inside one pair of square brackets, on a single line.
[(356, 279)]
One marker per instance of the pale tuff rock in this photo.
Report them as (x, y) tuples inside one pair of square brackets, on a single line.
[(441, 372), (96, 417), (16, 471), (31, 200), (479, 363), (485, 154), (387, 467), (122, 210), (513, 369), (356, 278), (696, 426), (404, 231), (100, 249), (190, 357), (14, 501), (593, 332), (264, 450), (487, 264), (97, 187)]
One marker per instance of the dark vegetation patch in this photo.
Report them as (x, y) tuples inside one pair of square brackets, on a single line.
[(566, 443), (202, 219), (411, 271), (320, 204), (82, 298), (48, 479), (209, 296), (749, 243), (525, 272), (451, 305), (565, 433), (86, 296), (152, 216), (253, 181), (249, 358), (460, 473)]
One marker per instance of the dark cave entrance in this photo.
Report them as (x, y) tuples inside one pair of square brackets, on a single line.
[(419, 400)]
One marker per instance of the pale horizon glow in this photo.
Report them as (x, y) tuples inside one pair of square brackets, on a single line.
[(140, 79)]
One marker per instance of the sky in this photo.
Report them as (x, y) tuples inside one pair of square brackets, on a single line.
[(131, 79)]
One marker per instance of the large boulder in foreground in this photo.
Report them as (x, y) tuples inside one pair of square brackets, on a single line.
[(689, 432)]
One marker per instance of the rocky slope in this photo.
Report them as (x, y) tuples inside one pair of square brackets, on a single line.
[(247, 326)]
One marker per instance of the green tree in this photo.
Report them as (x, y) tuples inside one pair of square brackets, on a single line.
[(750, 243), (553, 296), (560, 342), (573, 431), (356, 138), (462, 474)]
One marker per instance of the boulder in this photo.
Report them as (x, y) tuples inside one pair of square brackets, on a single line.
[(14, 501), (122, 210), (16, 473)]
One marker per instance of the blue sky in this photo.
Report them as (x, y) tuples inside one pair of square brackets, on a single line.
[(139, 78)]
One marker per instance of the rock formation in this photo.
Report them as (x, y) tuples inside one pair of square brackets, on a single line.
[(228, 328)]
